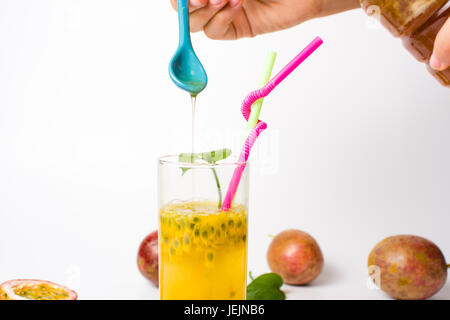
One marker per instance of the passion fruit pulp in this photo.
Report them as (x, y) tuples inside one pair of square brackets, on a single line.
[(30, 289)]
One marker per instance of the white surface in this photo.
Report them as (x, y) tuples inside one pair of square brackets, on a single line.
[(356, 149)]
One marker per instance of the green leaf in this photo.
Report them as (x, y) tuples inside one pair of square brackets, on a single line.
[(266, 287), (216, 155), (189, 157), (211, 157)]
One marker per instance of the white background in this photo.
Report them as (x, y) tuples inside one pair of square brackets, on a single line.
[(356, 149)]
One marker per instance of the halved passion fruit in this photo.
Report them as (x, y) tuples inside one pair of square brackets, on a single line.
[(27, 289)]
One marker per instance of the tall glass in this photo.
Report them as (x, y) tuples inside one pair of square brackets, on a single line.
[(202, 250)]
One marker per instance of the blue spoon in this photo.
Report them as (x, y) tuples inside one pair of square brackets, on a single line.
[(185, 68)]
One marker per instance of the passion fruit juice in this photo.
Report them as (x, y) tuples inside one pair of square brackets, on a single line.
[(203, 251)]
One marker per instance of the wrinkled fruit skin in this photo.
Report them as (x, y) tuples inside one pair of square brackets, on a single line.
[(408, 267), (295, 256), (148, 257)]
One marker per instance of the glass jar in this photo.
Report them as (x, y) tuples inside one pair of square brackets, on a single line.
[(416, 23)]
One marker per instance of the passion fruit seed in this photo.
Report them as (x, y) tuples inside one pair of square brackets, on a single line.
[(43, 292), (181, 225)]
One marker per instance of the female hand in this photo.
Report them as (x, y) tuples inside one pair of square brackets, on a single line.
[(440, 60), (234, 19)]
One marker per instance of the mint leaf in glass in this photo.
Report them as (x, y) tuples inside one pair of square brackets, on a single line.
[(211, 157), (215, 155)]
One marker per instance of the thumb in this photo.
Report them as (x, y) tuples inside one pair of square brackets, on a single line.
[(440, 60)]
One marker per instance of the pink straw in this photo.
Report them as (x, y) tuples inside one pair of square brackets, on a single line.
[(261, 126)]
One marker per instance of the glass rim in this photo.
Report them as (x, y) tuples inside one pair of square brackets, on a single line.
[(172, 159)]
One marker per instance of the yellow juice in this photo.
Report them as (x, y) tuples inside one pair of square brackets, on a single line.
[(203, 251)]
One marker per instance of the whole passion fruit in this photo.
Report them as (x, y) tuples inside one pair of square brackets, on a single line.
[(295, 256), (148, 257), (29, 289), (408, 267)]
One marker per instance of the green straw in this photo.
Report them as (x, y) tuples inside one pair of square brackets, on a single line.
[(256, 107), (265, 77)]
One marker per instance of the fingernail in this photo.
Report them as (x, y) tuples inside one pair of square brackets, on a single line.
[(216, 2), (436, 64), (234, 3), (196, 3)]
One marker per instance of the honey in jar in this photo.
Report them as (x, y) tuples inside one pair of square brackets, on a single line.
[(417, 23)]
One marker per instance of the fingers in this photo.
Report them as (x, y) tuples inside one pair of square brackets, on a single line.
[(221, 25), (193, 4), (200, 18), (214, 17), (440, 60)]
